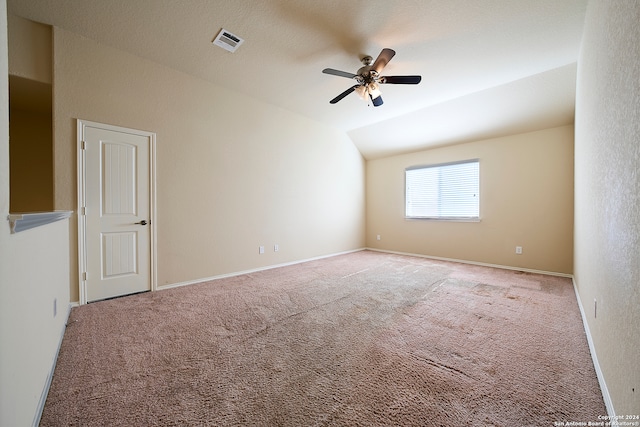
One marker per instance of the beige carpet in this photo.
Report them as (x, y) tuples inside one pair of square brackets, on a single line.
[(362, 339)]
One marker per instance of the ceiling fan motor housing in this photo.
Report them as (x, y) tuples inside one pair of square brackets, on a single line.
[(367, 60)]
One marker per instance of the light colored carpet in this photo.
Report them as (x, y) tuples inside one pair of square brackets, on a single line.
[(361, 339)]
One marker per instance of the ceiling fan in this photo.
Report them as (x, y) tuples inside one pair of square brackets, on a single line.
[(368, 78)]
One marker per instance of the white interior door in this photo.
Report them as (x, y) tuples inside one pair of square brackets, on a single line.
[(117, 211)]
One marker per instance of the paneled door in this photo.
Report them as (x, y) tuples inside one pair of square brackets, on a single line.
[(115, 211)]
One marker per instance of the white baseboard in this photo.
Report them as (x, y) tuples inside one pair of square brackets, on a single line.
[(255, 270), (239, 273), (47, 384), (483, 264), (603, 385)]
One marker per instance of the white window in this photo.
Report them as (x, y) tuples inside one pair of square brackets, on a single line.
[(444, 191)]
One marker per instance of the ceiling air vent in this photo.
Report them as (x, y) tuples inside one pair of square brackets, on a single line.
[(227, 41)]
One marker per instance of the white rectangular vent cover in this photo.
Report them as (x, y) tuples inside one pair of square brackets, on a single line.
[(227, 41)]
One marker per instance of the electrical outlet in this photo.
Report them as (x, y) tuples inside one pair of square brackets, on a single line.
[(378, 237), (276, 248), (261, 249), (519, 250)]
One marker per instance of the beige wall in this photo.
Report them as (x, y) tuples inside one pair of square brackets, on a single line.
[(31, 155), (526, 199), (33, 274), (30, 49), (232, 173), (607, 193)]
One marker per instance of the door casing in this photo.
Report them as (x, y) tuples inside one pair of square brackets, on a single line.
[(82, 226)]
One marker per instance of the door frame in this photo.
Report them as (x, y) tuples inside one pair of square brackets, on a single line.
[(82, 223)]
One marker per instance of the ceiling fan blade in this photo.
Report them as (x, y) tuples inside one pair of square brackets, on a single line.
[(401, 80), (382, 59), (338, 73), (343, 94)]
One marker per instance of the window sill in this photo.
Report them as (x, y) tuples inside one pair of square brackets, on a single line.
[(25, 221), (415, 218)]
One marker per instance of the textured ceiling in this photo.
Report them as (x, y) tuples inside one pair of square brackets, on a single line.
[(489, 67)]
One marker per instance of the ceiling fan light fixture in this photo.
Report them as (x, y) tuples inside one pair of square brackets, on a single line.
[(374, 90), (374, 94), (362, 92)]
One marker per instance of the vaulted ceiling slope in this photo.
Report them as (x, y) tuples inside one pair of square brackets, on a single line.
[(488, 67)]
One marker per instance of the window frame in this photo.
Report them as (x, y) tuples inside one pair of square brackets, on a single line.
[(443, 218)]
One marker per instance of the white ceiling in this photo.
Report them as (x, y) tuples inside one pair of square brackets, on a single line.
[(489, 67)]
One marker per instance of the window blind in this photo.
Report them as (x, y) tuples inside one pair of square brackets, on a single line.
[(443, 191)]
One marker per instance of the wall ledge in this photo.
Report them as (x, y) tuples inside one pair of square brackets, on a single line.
[(25, 221)]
